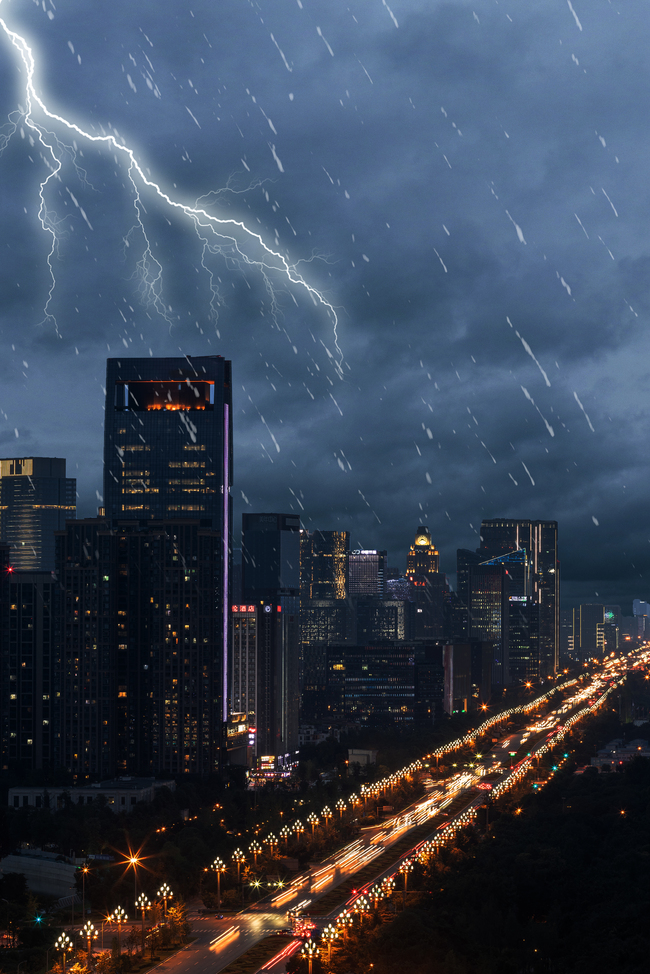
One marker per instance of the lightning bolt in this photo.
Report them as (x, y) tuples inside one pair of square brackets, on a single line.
[(218, 235)]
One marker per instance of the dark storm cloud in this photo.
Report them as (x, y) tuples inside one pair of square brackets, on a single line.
[(468, 189)]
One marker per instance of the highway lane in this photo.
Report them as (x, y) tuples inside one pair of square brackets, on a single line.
[(218, 942)]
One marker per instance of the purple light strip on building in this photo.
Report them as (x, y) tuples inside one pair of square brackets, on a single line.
[(225, 541)]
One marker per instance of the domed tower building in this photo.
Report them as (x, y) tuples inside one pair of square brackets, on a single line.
[(427, 585), (423, 557)]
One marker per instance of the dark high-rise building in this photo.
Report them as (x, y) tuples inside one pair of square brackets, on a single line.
[(271, 582), (539, 539), (87, 651), (270, 555), (140, 647), (144, 592), (523, 616), (243, 667), (590, 617), (373, 683), (36, 499), (467, 675), (27, 693), (489, 614), (465, 558), (324, 564), (383, 620), (567, 626), (326, 621), (168, 451), (168, 438), (366, 573)]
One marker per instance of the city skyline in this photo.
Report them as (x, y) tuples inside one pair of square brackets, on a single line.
[(471, 186)]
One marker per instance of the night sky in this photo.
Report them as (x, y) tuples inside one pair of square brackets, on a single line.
[(464, 185)]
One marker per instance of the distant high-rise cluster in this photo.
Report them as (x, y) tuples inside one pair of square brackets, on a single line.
[(133, 643)]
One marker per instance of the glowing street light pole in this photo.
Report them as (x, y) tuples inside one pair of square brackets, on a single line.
[(329, 935), (239, 859), (255, 848), (134, 862), (405, 869), (64, 944), (90, 933), (119, 917), (83, 886), (309, 950), (165, 893), (142, 903), (218, 866), (313, 821)]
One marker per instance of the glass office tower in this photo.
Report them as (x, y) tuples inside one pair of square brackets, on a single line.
[(168, 438), (36, 499)]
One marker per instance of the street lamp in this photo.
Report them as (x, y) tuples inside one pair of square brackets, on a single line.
[(119, 917), (272, 841), (405, 869), (84, 870), (218, 866), (299, 828), (313, 821), (327, 814), (90, 934), (285, 832), (134, 862), (361, 906), (309, 950), (142, 903), (64, 944), (341, 807), (376, 893), (240, 859), (329, 935), (388, 886), (345, 920), (165, 893), (255, 848)]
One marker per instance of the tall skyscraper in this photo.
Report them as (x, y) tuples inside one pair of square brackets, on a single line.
[(367, 572), (140, 647), (144, 592), (168, 451), (590, 617), (429, 586), (168, 438), (539, 539), (489, 614), (324, 564), (271, 582), (270, 555), (465, 558), (523, 616), (27, 692), (243, 685), (36, 499)]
